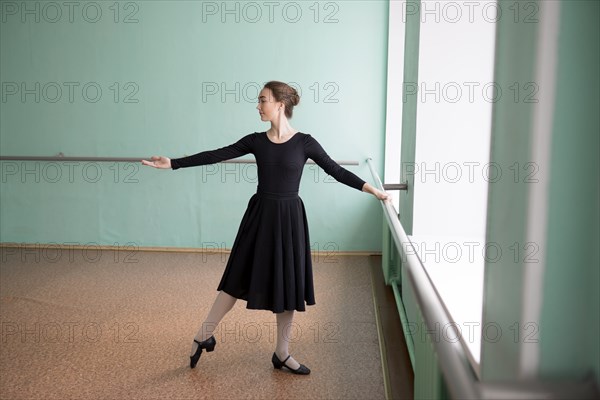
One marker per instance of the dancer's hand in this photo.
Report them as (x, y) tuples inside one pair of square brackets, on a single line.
[(382, 195), (376, 192), (158, 162)]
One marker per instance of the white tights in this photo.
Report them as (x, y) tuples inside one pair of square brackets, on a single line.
[(284, 324), (224, 302)]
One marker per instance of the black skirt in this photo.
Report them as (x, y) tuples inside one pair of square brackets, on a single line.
[(270, 264)]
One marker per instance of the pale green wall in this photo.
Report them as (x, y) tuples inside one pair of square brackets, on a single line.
[(168, 54), (570, 326)]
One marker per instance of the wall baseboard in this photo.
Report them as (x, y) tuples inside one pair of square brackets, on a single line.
[(129, 248)]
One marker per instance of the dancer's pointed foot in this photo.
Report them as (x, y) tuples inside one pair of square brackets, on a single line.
[(199, 338), (208, 344)]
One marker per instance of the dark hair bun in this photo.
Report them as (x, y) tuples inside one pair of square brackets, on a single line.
[(295, 99), (286, 94)]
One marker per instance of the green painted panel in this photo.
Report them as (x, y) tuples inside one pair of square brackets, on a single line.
[(428, 376), (570, 325), (409, 112), (405, 324)]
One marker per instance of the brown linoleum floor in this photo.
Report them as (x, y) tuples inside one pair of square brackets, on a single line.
[(118, 325)]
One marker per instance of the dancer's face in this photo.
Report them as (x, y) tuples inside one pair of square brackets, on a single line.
[(268, 107)]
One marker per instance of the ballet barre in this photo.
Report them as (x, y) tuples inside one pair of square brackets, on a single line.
[(61, 157)]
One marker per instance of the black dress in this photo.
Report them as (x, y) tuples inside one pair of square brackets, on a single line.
[(270, 264)]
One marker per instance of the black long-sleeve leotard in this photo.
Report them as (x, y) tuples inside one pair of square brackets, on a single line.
[(280, 165)]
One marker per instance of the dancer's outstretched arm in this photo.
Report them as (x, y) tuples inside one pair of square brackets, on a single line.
[(241, 147), (315, 151)]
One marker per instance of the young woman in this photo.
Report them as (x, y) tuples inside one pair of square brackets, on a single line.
[(270, 263)]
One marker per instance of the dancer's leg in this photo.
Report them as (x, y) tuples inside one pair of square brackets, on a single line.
[(222, 305), (284, 326)]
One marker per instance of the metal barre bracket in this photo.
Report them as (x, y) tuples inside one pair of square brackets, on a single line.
[(395, 186)]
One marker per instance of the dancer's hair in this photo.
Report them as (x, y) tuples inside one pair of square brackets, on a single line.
[(286, 94)]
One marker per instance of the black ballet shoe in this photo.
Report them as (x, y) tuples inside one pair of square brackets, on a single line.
[(208, 344), (277, 364)]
